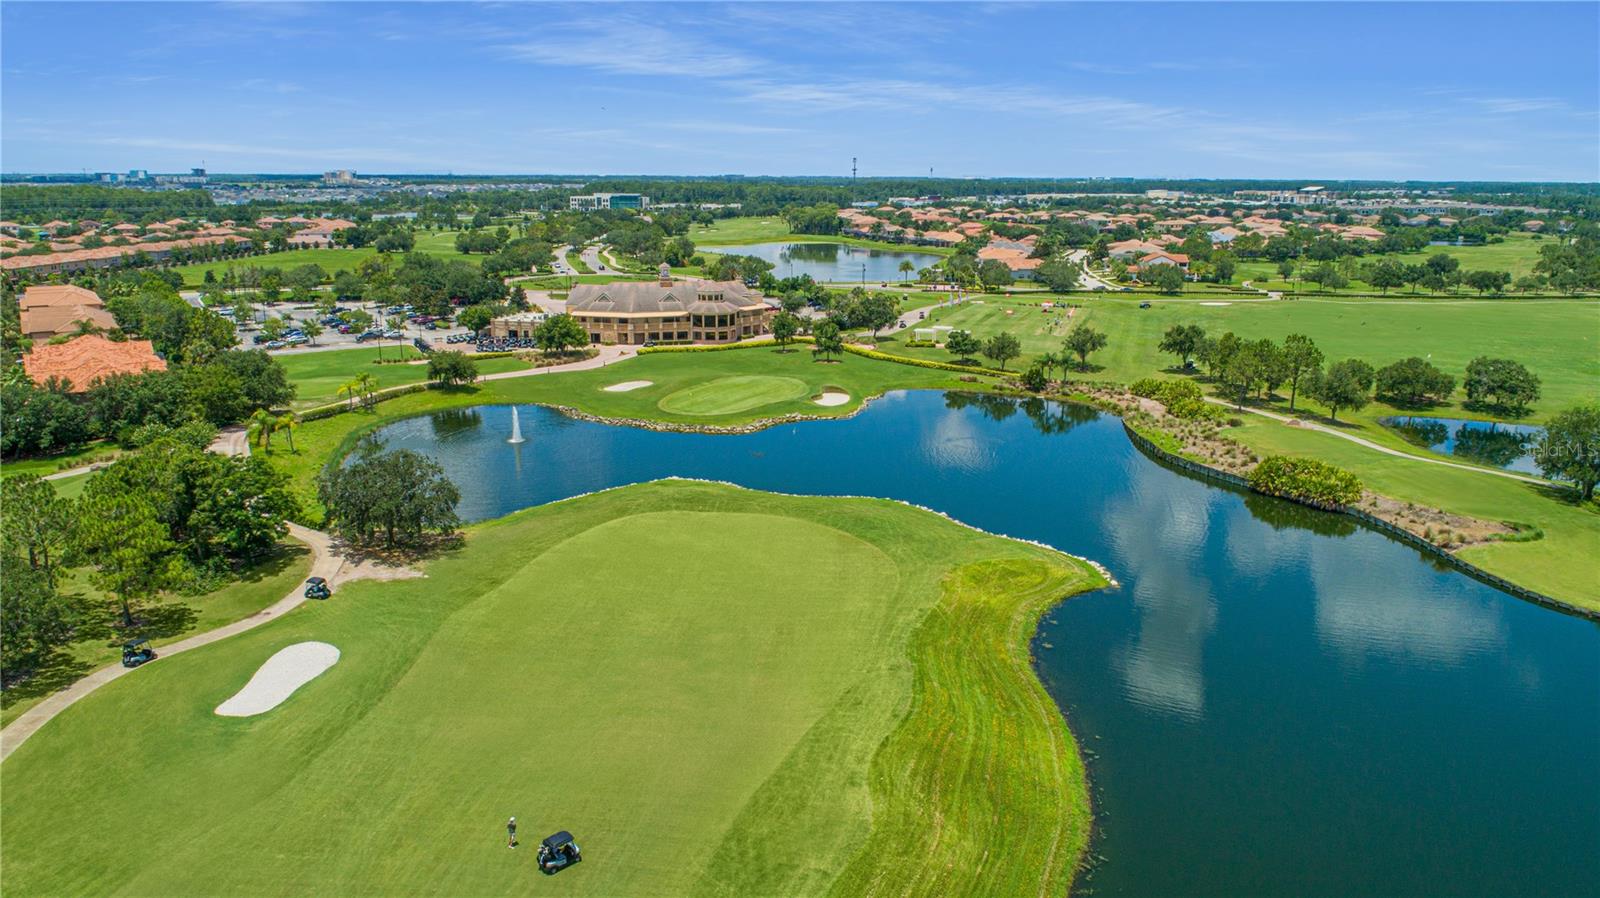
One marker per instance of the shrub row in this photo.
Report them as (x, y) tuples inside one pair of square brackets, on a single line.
[(1306, 480), (343, 405), (925, 363), (712, 347), (1182, 398)]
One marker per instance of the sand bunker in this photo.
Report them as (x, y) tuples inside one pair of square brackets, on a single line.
[(627, 385), (1216, 303), (832, 398), (277, 679)]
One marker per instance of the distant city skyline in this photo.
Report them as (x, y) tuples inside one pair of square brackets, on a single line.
[(1428, 91)]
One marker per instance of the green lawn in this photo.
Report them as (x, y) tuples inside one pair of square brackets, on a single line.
[(49, 464), (1559, 340), (1553, 565), (1516, 255), (725, 721), (170, 618), (317, 376), (575, 261), (435, 243)]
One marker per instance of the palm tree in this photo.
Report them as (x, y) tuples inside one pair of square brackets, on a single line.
[(906, 268), (368, 385), (288, 423), (351, 390), (262, 423)]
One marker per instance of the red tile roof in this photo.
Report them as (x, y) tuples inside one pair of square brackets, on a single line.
[(83, 359)]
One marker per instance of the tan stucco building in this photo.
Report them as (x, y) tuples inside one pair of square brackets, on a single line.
[(669, 311)]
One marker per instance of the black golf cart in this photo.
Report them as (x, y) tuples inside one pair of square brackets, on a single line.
[(137, 652), (317, 588), (558, 852)]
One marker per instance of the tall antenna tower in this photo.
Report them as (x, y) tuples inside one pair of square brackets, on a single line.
[(852, 171)]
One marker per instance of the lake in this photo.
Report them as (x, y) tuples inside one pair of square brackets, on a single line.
[(832, 261), (1275, 701), (1508, 446)]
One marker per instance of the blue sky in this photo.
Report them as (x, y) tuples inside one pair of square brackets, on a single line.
[(1496, 91)]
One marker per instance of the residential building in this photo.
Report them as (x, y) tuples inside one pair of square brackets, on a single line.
[(669, 311), (83, 360), (596, 201), (52, 310)]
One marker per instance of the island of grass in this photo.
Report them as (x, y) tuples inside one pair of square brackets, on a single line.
[(775, 695)]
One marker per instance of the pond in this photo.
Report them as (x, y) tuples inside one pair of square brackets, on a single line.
[(1508, 446), (1274, 702), (832, 261)]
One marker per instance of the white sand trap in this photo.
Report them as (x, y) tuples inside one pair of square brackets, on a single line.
[(1216, 303), (277, 679), (627, 385), (832, 398)]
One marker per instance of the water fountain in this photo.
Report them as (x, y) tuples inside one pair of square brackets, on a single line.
[(516, 428)]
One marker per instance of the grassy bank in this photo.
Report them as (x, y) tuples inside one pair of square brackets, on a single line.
[(317, 376), (724, 725), (1553, 565), (167, 619)]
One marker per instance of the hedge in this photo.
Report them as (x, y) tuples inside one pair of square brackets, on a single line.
[(1182, 398), (926, 363), (714, 347), (342, 406), (1306, 480)]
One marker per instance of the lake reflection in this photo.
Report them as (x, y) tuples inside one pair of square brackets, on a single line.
[(1492, 443), (832, 261), (1279, 702)]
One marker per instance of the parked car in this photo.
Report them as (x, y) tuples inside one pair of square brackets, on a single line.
[(392, 335), (276, 344), (364, 336), (296, 339), (345, 329), (259, 339)]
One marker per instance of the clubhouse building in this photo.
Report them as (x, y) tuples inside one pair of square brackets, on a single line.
[(632, 313)]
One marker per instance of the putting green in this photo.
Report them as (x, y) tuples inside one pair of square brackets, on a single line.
[(730, 395), (717, 715)]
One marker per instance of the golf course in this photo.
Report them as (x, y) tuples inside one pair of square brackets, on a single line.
[(777, 696)]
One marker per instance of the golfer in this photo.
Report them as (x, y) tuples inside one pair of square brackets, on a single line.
[(511, 833)]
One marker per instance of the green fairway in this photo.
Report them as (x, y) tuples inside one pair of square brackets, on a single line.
[(1517, 254), (1559, 340), (317, 376), (331, 259), (719, 717), (730, 395)]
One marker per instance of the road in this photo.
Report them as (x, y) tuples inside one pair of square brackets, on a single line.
[(1090, 281)]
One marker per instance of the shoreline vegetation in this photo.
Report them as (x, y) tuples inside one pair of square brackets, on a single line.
[(1538, 524), (857, 752)]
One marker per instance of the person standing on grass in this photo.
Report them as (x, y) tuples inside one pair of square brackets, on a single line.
[(511, 833)]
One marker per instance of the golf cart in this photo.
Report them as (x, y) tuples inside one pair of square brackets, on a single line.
[(558, 852), (317, 588), (137, 652)]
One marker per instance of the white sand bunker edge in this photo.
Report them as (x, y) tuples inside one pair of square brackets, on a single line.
[(832, 397), (1216, 304), (277, 679), (627, 385)]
